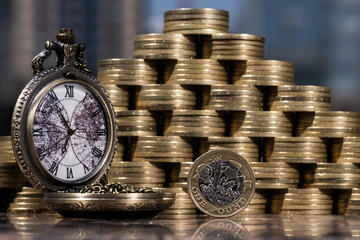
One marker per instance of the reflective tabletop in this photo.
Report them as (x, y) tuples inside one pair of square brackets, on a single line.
[(50, 226)]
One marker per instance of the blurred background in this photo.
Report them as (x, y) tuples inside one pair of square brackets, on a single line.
[(321, 38)]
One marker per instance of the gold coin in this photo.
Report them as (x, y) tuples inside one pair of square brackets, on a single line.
[(208, 204)]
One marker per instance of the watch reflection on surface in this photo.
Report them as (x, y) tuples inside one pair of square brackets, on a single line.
[(70, 131)]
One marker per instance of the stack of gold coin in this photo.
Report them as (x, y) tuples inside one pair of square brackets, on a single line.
[(164, 46), (276, 200), (29, 200), (341, 200), (137, 174), (127, 72), (296, 150), (119, 153), (260, 124), (162, 149), (245, 146), (257, 205), (10, 174), (353, 208), (195, 72), (263, 73), (336, 176), (179, 178), (345, 150), (275, 175), (196, 21), (136, 123), (328, 124), (311, 227), (119, 96), (293, 98), (182, 208), (235, 98), (194, 123), (165, 97), (307, 201), (227, 46)]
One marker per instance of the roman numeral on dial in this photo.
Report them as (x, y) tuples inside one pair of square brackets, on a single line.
[(86, 169), (69, 91), (54, 168), (96, 152), (41, 152), (69, 173)]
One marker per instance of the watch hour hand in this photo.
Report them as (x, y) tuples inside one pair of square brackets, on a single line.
[(70, 133)]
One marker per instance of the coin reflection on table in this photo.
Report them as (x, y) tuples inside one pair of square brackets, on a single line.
[(221, 229), (30, 225)]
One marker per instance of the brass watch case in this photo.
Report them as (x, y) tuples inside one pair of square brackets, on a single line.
[(22, 120)]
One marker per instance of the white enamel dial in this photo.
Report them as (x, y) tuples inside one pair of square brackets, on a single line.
[(70, 132)]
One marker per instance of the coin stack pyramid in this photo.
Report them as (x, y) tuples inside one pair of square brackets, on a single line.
[(11, 178), (197, 87)]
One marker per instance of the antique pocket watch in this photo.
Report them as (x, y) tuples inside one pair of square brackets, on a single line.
[(63, 126)]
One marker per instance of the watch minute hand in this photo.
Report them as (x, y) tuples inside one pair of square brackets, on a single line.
[(63, 120)]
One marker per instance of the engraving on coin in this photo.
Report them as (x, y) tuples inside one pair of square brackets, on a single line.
[(221, 183)]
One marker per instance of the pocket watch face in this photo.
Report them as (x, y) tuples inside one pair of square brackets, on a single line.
[(69, 132)]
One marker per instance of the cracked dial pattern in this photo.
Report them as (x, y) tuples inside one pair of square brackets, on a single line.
[(69, 132)]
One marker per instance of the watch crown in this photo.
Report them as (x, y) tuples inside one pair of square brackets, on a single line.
[(66, 36)]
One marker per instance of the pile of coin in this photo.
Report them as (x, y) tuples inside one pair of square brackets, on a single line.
[(328, 124), (127, 72), (227, 46), (292, 98), (353, 209), (119, 153), (165, 97), (194, 123), (162, 149), (260, 124), (182, 208), (136, 123), (307, 201), (119, 96), (196, 21), (341, 199), (178, 178), (195, 72), (345, 150), (296, 150), (263, 73), (245, 146), (336, 176), (275, 175), (235, 98), (164, 46), (29, 200), (11, 178), (256, 206), (137, 174)]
